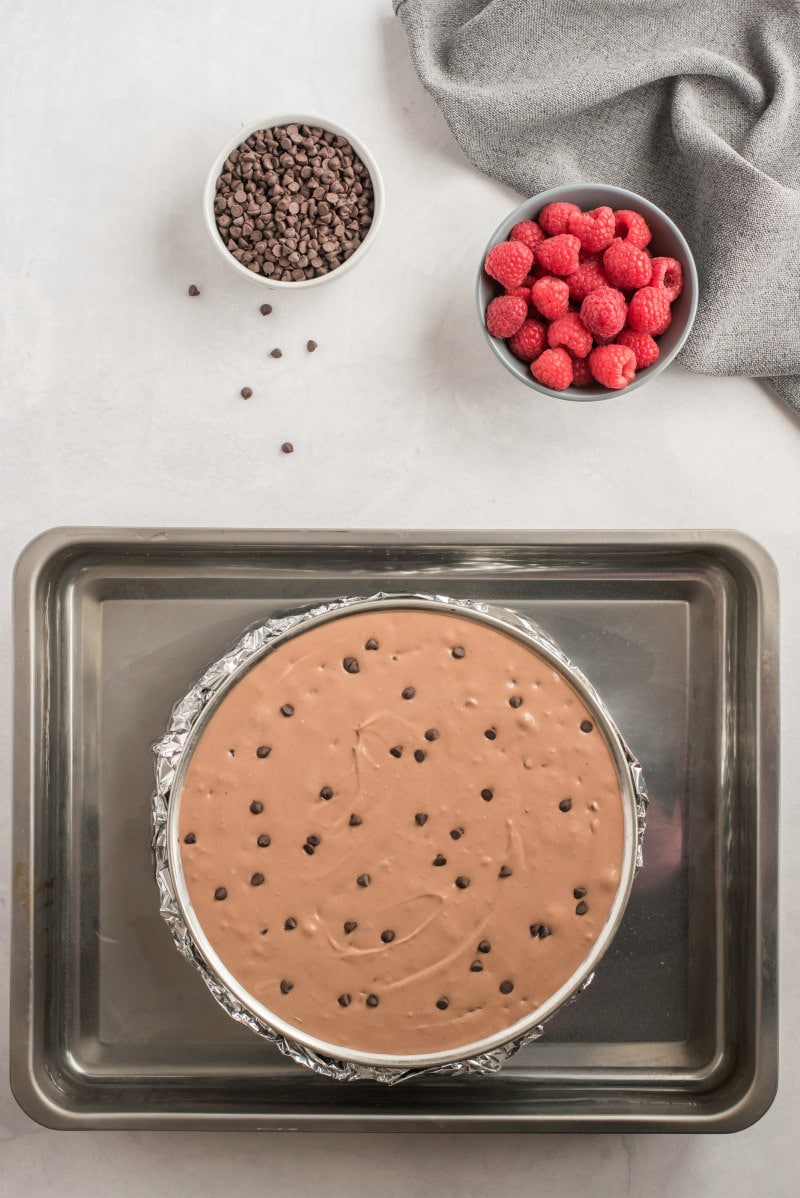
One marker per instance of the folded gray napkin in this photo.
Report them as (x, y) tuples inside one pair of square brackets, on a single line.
[(691, 103)]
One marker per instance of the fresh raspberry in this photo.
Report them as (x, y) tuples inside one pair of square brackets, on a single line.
[(509, 262), (645, 349), (553, 369), (559, 254), (613, 366), (667, 273), (570, 332), (505, 315), (581, 372), (604, 311), (587, 278), (649, 311), (522, 292), (626, 265), (555, 217), (550, 296), (594, 230), (529, 341), (528, 232), (632, 227)]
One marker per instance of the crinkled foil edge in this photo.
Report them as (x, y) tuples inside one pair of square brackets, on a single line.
[(169, 749)]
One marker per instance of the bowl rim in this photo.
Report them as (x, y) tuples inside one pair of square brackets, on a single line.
[(269, 122), (522, 212)]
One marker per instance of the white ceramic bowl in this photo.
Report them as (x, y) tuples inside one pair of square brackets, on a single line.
[(269, 122)]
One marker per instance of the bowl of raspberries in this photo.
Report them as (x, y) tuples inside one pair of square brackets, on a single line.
[(586, 290)]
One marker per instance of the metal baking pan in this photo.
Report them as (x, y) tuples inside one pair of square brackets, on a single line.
[(678, 631)]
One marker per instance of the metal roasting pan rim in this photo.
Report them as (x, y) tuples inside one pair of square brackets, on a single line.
[(728, 1091)]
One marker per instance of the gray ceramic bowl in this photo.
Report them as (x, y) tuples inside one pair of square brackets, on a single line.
[(668, 241)]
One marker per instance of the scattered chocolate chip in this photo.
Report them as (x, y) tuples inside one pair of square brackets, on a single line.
[(308, 849), (265, 309), (408, 692), (194, 290), (458, 651), (487, 794), (257, 879), (476, 967), (432, 734), (371, 643), (541, 930), (263, 931), (397, 751), (505, 871), (247, 392), (263, 841), (587, 726), (484, 947), (372, 1000), (506, 987), (256, 807), (439, 859), (287, 447), (420, 818), (456, 833), (579, 892), (363, 879), (581, 908), (326, 793), (286, 987), (442, 1004), (491, 734), (565, 805), (287, 710), (263, 751), (344, 1000), (350, 925), (311, 346), (276, 353), (290, 924), (220, 893), (351, 665), (190, 838), (313, 840), (419, 754), (355, 821), (388, 936), (515, 701), (461, 882)]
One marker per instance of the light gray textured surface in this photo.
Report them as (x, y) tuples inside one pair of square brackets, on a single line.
[(691, 105), (120, 405)]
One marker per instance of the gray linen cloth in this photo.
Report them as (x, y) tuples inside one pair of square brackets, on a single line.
[(694, 104)]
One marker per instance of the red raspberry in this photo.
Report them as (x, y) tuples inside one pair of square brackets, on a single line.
[(553, 369), (555, 217), (649, 311), (604, 311), (509, 262), (571, 332), (613, 366), (550, 296), (522, 292), (632, 227), (626, 265), (667, 273), (594, 230), (528, 232), (581, 372), (529, 342), (585, 279), (644, 348), (505, 315), (559, 254)]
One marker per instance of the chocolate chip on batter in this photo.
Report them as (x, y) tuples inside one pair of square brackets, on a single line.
[(458, 651), (487, 794), (432, 734), (419, 754), (220, 893), (350, 925), (515, 701), (371, 643), (257, 879), (287, 710), (313, 840), (286, 987), (541, 930), (408, 692), (388, 936), (484, 947), (193, 290), (587, 726), (442, 1004), (581, 908), (263, 751), (308, 849), (263, 931), (344, 1000), (476, 967), (420, 818), (491, 734), (579, 892), (565, 805), (256, 807), (439, 859), (190, 838), (263, 841), (461, 882), (372, 1000), (397, 751), (355, 821), (456, 833), (351, 665), (311, 346), (287, 447), (506, 987), (363, 879), (290, 924), (505, 871), (276, 353), (246, 392), (265, 309), (326, 793)]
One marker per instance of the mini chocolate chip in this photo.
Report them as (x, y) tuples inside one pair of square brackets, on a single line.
[(456, 833), (263, 751), (326, 793), (420, 818), (194, 290), (505, 871), (581, 908), (476, 967), (408, 692), (579, 892), (220, 893), (276, 353), (439, 859), (287, 447), (506, 987), (344, 1000), (257, 879), (515, 701), (484, 947), (372, 1000), (540, 929), (351, 665), (265, 309), (388, 936), (371, 643), (442, 1004), (419, 754), (311, 346), (491, 734), (308, 849), (397, 751), (313, 840), (246, 393), (190, 838), (565, 805), (287, 710), (461, 882), (286, 987), (290, 924), (587, 726), (263, 841), (363, 879), (458, 651), (350, 925), (487, 794), (355, 821), (256, 807), (263, 931), (432, 734)]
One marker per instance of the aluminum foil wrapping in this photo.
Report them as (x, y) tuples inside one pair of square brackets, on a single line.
[(168, 754)]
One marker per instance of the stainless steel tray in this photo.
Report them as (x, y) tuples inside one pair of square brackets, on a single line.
[(679, 634)]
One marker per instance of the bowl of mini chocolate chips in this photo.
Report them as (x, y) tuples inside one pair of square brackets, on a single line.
[(292, 201)]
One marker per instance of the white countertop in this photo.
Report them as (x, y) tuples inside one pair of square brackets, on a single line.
[(121, 406)]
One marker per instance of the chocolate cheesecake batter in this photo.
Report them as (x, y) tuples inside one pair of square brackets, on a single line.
[(401, 831)]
